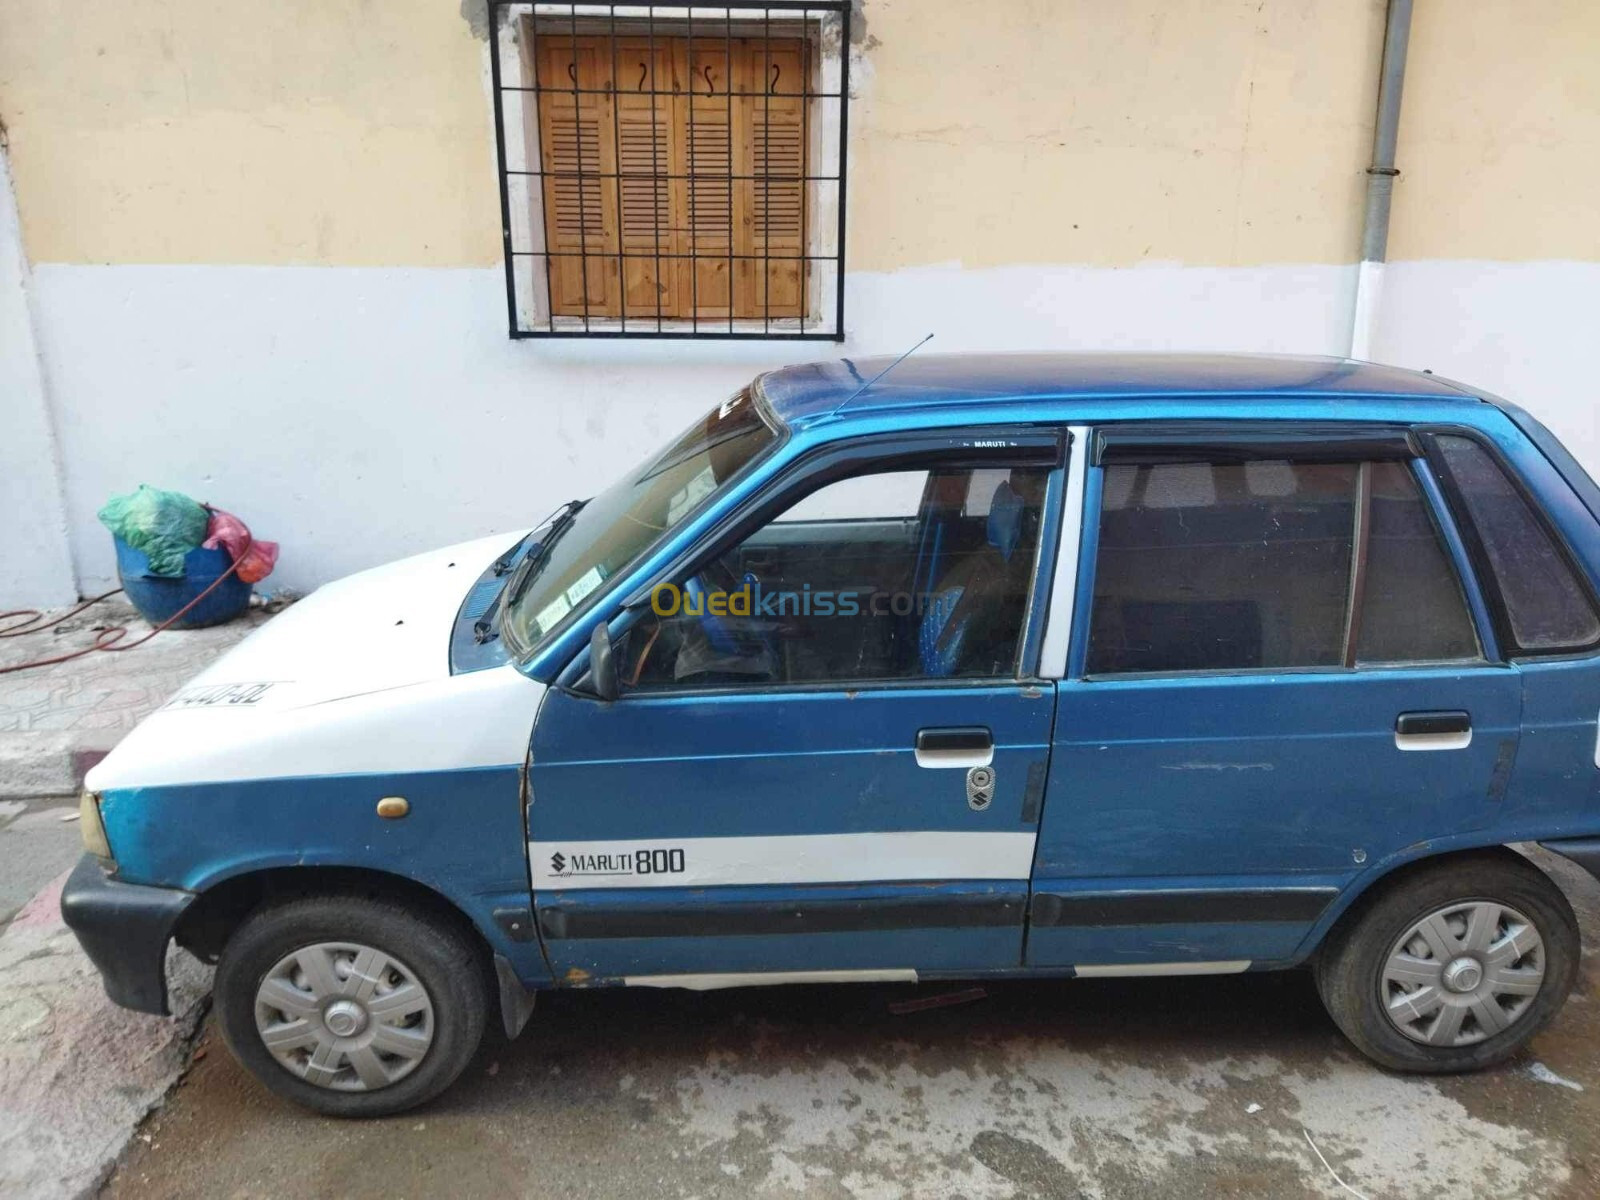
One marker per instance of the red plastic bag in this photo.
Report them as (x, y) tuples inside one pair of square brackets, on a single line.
[(255, 558)]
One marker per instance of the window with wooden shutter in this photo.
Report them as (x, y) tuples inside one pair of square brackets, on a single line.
[(679, 177)]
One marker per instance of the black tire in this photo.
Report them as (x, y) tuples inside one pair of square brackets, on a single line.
[(1349, 970), (441, 957)]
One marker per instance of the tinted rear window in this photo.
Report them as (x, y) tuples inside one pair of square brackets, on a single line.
[(1546, 607), (1413, 609), (1271, 565), (1219, 566)]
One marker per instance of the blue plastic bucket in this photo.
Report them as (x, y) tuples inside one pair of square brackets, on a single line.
[(157, 597)]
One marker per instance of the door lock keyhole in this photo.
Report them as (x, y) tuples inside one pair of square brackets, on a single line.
[(980, 788)]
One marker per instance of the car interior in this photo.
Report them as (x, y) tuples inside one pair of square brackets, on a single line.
[(897, 575), (1247, 566)]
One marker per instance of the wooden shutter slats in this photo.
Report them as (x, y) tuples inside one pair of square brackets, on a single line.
[(711, 165), (580, 209), (646, 162), (778, 198), (577, 196), (773, 216), (647, 197), (706, 116)]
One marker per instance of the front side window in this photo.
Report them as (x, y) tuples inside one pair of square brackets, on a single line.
[(893, 575), (1546, 608), (1270, 564)]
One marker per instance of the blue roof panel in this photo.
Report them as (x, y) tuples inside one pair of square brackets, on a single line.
[(804, 394)]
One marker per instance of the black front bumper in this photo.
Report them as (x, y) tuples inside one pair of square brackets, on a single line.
[(124, 928)]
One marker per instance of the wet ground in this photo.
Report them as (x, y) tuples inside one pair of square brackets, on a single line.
[(1156, 1088)]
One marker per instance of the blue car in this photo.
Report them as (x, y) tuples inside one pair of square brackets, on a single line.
[(1017, 666)]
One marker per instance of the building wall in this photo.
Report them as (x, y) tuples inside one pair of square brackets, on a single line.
[(1496, 225), (35, 565), (266, 252)]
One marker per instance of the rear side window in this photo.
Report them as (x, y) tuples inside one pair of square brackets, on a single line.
[(1217, 566), (1547, 609), (1269, 565), (1412, 607)]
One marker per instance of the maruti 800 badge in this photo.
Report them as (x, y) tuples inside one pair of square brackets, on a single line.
[(637, 862)]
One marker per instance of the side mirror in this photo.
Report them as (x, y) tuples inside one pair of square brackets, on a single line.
[(602, 667)]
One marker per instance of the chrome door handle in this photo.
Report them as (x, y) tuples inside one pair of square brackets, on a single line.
[(1433, 730), (965, 746)]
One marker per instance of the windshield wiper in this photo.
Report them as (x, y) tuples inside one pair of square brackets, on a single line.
[(483, 629), (503, 564), (536, 554)]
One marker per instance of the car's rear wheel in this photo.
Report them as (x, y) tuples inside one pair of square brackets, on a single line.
[(1454, 966), (351, 1006)]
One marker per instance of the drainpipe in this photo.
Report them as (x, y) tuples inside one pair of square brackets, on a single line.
[(1380, 179)]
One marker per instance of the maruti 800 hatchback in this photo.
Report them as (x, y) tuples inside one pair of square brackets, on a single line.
[(991, 666)]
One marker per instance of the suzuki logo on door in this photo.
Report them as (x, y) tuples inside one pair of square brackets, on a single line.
[(639, 862)]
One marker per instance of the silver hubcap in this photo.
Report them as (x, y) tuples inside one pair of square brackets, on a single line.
[(344, 1016), (1462, 974)]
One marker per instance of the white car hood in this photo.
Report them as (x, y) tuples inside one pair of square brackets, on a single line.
[(373, 630), (355, 678)]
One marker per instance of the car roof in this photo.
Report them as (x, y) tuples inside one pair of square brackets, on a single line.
[(1011, 384)]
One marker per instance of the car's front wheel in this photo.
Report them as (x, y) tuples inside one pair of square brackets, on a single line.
[(351, 1006), (1454, 966)]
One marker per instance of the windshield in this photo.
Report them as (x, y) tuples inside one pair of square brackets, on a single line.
[(622, 522)]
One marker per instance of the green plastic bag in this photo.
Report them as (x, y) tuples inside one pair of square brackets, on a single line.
[(164, 525)]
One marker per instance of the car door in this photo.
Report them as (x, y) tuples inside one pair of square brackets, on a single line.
[(1520, 521), (1281, 676), (813, 767)]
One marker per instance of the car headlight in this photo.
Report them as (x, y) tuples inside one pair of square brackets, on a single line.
[(93, 829)]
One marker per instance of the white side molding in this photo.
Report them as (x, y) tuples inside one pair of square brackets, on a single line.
[(707, 983), (785, 858), (1109, 970), (1058, 622)]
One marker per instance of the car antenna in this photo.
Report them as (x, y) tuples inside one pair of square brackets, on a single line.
[(881, 374)]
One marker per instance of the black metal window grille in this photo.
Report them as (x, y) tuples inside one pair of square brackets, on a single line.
[(673, 172)]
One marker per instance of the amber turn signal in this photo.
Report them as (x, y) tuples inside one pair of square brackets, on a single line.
[(393, 807)]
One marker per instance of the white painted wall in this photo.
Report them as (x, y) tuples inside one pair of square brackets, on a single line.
[(35, 568), (1526, 331), (357, 415)]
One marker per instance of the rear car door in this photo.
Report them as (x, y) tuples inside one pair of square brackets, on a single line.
[(819, 763), (1281, 676), (1523, 524)]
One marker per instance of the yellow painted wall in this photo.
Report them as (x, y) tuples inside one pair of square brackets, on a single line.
[(1110, 133), (1103, 132), (296, 131), (1500, 132)]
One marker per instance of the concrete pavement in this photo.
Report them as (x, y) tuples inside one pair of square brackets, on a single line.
[(38, 841), (56, 721), (77, 1074), (1140, 1089)]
